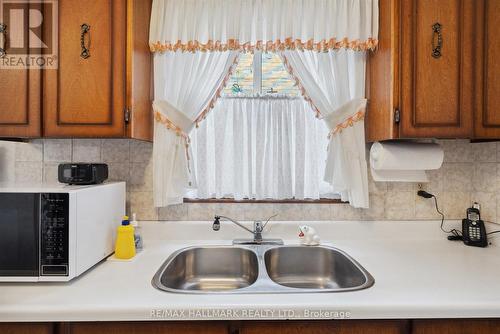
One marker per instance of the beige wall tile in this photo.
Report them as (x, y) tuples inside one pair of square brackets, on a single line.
[(484, 177), (426, 209), (28, 171), (488, 202), (141, 202), (457, 177), (484, 152), (201, 211), (401, 186), (323, 211), (87, 150), (30, 151), (115, 150), (346, 212), (258, 211), (230, 210), (57, 150), (7, 161), (119, 172), (173, 212), (456, 184), (435, 183), (376, 187), (377, 207), (454, 204), (140, 151), (141, 176), (50, 172), (457, 150), (400, 205)]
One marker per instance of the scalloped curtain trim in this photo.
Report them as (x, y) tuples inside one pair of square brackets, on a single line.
[(218, 92), (278, 45), (160, 118), (358, 116), (299, 85)]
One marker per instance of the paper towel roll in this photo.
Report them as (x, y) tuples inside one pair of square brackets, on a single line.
[(406, 156)]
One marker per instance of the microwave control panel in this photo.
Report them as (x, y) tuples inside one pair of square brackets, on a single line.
[(54, 234)]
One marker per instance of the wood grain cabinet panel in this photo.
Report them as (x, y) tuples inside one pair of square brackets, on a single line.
[(325, 327), (27, 328), (456, 326), (436, 90), (20, 103), (157, 327), (85, 97), (425, 93), (20, 90), (487, 83)]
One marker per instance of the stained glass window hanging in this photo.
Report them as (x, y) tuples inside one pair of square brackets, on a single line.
[(274, 78)]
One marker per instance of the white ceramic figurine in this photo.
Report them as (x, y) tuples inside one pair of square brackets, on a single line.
[(308, 236)]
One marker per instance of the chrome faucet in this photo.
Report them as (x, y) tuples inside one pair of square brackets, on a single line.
[(258, 228)]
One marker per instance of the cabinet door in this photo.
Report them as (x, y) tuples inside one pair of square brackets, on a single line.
[(436, 88), (456, 326), (26, 328), (85, 97), (20, 88), (157, 327), (487, 115), (325, 327)]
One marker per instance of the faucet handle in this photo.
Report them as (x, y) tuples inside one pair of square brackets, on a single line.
[(268, 219), (257, 226)]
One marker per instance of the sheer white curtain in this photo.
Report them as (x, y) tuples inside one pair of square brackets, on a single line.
[(335, 83), (261, 149), (185, 84), (192, 25)]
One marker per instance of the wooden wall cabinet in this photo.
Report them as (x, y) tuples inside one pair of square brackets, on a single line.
[(487, 61), (20, 94), (107, 94), (417, 89)]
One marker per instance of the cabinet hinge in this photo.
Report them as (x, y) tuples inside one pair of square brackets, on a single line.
[(126, 115), (397, 116)]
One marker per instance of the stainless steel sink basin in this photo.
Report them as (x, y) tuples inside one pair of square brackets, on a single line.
[(209, 269), (313, 268), (261, 269)]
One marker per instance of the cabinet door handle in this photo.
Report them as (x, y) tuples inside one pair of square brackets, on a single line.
[(85, 31), (3, 40), (437, 37)]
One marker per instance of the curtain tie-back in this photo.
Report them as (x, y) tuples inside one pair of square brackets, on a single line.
[(345, 116), (173, 119)]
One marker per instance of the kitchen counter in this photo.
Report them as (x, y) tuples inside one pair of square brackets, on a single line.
[(418, 274)]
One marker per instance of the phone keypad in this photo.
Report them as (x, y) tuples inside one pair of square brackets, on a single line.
[(474, 232)]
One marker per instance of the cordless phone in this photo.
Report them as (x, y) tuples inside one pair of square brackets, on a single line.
[(473, 230)]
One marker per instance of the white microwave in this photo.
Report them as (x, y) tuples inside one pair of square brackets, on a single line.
[(57, 232)]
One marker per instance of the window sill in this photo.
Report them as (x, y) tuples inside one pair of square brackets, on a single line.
[(253, 201)]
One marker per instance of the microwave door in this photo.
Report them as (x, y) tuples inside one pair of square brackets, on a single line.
[(19, 234)]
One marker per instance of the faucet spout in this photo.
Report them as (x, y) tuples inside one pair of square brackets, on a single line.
[(218, 218), (258, 228)]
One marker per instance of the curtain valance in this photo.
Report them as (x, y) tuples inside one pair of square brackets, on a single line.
[(208, 25)]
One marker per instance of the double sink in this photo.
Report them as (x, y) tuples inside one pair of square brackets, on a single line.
[(260, 268)]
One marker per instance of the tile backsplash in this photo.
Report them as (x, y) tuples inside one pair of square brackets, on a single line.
[(471, 172)]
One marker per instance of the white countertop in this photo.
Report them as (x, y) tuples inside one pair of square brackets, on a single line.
[(418, 274)]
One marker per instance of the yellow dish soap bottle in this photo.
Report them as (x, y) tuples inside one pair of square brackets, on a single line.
[(125, 245)]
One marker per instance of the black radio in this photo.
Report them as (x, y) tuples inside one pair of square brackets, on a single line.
[(82, 173)]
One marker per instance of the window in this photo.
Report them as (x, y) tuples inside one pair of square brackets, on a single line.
[(262, 140), (260, 73)]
